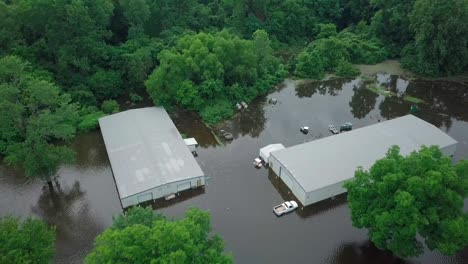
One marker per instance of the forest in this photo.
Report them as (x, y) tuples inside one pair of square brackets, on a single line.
[(65, 63)]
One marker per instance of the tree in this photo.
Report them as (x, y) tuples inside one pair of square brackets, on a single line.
[(200, 71), (36, 118), (309, 65), (441, 33), (140, 236), (28, 241), (406, 202)]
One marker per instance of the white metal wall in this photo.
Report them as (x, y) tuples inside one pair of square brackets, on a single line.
[(163, 190), (287, 178), (324, 193)]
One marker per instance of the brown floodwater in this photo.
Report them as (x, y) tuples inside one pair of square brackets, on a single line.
[(240, 197)]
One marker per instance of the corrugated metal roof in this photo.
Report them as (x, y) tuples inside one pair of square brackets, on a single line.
[(146, 150), (333, 159)]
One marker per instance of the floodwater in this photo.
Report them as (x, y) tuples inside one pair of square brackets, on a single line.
[(240, 197)]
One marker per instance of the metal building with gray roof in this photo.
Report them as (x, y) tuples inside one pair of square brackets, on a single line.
[(149, 157), (316, 170)]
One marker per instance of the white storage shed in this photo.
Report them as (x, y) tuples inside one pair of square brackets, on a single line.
[(266, 151), (316, 170), (148, 156)]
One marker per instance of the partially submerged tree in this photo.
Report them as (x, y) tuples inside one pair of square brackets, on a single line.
[(28, 241), (35, 118), (407, 202), (141, 236)]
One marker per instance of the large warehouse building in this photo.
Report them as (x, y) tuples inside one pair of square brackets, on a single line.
[(148, 156), (316, 170)]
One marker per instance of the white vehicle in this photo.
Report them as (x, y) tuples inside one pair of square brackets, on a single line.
[(285, 208), (304, 129), (333, 129), (257, 162)]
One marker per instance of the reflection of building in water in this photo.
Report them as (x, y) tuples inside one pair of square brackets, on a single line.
[(316, 170), (148, 156)]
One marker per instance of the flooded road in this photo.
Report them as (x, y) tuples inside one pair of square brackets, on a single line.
[(239, 196)]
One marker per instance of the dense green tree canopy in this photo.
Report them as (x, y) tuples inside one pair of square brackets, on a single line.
[(26, 242), (210, 72), (141, 236), (34, 113), (441, 36), (409, 202)]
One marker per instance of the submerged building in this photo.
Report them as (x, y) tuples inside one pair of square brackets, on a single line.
[(149, 157), (316, 170)]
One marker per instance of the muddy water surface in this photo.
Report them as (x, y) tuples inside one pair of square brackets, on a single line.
[(239, 196)]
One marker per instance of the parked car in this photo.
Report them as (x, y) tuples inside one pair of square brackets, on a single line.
[(285, 208), (257, 163), (304, 129), (333, 129), (346, 127)]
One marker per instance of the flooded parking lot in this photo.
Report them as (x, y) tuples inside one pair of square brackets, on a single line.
[(240, 197)]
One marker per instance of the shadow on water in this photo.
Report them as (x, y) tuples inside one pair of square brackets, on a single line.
[(305, 211), (364, 253), (90, 150), (180, 197), (191, 125), (66, 208)]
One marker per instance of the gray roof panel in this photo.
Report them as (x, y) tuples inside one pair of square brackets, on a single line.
[(333, 159), (146, 150)]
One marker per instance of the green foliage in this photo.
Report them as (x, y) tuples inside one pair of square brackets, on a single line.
[(110, 107), (135, 98), (346, 69), (136, 216), (310, 66), (334, 52), (28, 241), (90, 121), (408, 201), (35, 117), (204, 71), (143, 237), (216, 112), (105, 84), (441, 38)]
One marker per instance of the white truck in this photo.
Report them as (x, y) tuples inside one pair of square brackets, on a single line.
[(285, 208)]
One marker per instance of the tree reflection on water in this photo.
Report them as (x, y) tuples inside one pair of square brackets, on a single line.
[(364, 253)]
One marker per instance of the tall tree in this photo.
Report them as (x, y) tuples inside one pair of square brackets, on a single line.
[(36, 117), (143, 237), (408, 201), (441, 33), (28, 241)]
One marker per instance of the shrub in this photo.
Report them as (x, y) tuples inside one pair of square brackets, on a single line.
[(135, 98), (309, 65), (217, 112), (110, 106), (90, 121), (346, 69)]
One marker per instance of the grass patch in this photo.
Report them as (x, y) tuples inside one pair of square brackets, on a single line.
[(412, 99), (379, 90)]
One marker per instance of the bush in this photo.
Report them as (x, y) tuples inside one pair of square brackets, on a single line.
[(90, 122), (217, 112), (346, 69), (310, 66), (110, 106), (135, 98)]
